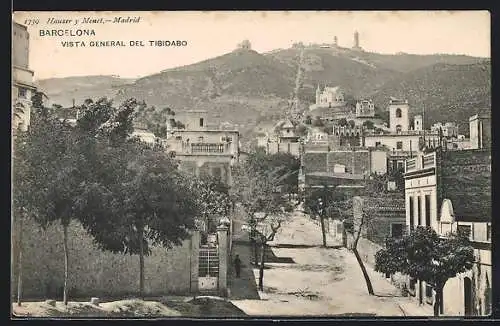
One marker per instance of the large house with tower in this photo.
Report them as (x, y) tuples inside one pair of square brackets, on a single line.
[(402, 140)]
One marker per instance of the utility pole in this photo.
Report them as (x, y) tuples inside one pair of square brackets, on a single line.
[(423, 123)]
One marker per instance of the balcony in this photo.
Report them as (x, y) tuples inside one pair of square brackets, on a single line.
[(419, 163), (22, 76), (207, 148)]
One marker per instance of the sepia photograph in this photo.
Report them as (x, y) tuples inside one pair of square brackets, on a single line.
[(251, 164)]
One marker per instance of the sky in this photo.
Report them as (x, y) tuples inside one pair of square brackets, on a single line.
[(210, 34)]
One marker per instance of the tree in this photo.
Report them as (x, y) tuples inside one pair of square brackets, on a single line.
[(258, 189), (48, 176), (325, 203), (362, 215), (136, 196), (21, 163), (352, 124), (213, 199), (342, 122), (368, 124), (301, 130), (286, 166), (149, 200), (308, 120), (425, 255)]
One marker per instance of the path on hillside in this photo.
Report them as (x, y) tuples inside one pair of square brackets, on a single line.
[(304, 279)]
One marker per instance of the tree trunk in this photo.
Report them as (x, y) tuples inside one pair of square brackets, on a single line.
[(365, 273), (360, 261), (66, 264), (255, 254), (438, 300), (261, 269), (323, 231), (20, 263), (141, 264)]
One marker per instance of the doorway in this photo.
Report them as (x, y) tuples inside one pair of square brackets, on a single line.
[(467, 296)]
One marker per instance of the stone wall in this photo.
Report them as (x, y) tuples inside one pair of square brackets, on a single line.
[(357, 162), (91, 271), (465, 179)]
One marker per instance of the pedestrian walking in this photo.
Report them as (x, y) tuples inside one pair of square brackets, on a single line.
[(237, 265)]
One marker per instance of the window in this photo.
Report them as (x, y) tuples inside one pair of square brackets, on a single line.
[(419, 210), (201, 122), (465, 229), (377, 144), (412, 222), (178, 137), (22, 92), (200, 139), (397, 230), (398, 113), (398, 128), (427, 203), (399, 145)]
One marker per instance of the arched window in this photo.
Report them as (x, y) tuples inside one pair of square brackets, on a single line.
[(398, 113), (398, 128)]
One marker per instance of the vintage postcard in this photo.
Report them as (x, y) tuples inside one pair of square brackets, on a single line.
[(251, 164)]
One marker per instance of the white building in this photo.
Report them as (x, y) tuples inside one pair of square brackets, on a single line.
[(329, 97), (398, 115), (365, 109), (459, 198), (448, 129), (23, 87)]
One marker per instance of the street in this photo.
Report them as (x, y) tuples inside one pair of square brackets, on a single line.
[(303, 279)]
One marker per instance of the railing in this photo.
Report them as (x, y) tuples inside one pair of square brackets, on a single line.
[(411, 164), (208, 148), (429, 160), (422, 162)]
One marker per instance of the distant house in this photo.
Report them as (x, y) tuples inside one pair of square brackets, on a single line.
[(284, 140)]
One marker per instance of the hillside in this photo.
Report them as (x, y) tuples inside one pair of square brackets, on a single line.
[(448, 92), (244, 86), (329, 67), (62, 91)]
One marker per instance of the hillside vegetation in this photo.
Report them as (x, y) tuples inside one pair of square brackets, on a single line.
[(244, 86), (447, 92)]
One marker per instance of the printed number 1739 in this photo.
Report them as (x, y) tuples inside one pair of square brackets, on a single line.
[(31, 21)]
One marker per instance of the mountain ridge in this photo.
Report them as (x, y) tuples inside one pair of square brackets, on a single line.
[(243, 85)]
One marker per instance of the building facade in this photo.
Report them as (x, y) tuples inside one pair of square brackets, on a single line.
[(284, 139), (398, 115), (447, 190), (448, 129), (480, 130), (23, 87), (365, 109), (330, 97)]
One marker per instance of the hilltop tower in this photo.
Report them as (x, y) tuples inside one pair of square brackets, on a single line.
[(356, 42)]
